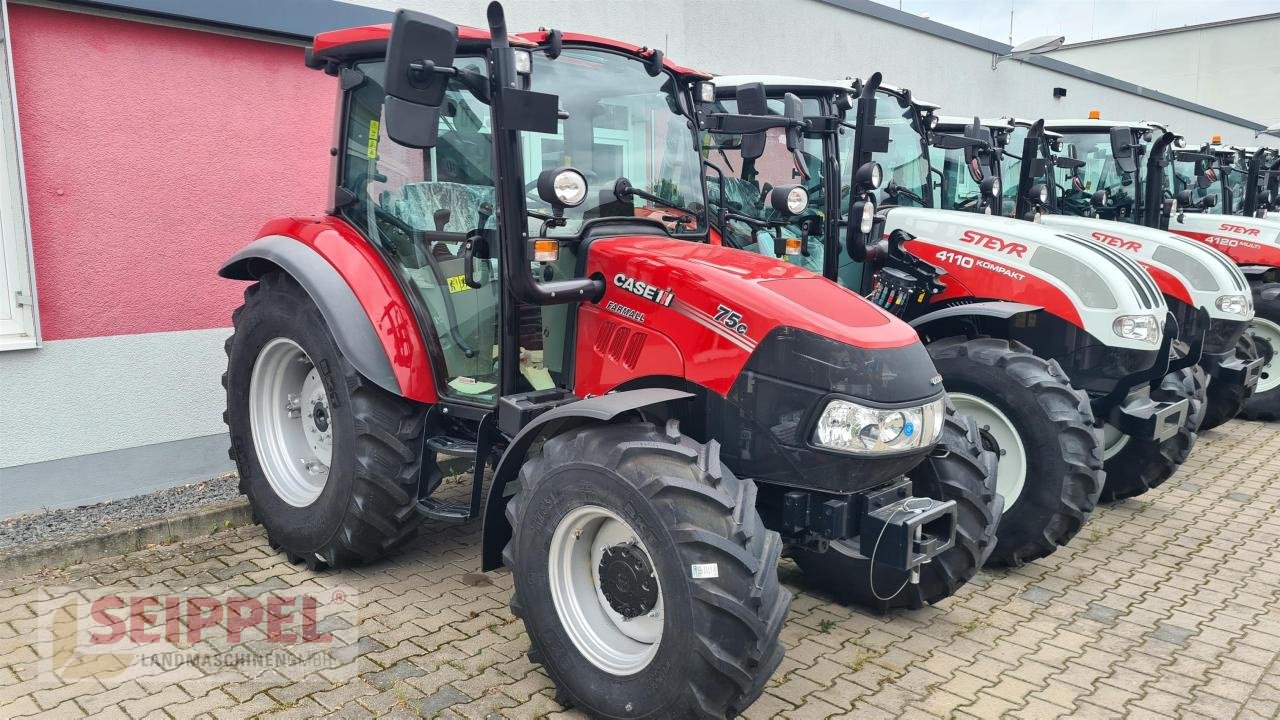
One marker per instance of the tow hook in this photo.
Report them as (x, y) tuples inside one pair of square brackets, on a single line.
[(904, 533)]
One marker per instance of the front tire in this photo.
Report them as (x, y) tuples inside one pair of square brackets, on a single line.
[(1050, 467), (1135, 465), (625, 521), (1265, 333), (329, 461), (958, 469)]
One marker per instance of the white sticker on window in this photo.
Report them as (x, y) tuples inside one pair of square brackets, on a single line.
[(705, 570)]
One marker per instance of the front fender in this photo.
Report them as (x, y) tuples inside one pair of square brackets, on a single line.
[(362, 303), (942, 323), (600, 409)]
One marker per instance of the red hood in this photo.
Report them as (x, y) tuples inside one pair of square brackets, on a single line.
[(767, 292)]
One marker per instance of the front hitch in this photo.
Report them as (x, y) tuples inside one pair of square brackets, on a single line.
[(889, 525)]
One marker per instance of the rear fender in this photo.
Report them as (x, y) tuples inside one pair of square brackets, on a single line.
[(600, 409), (362, 303), (993, 319)]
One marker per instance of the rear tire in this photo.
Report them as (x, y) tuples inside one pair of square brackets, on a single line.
[(958, 469), (1029, 400), (718, 640), (364, 507), (1264, 404), (1143, 464)]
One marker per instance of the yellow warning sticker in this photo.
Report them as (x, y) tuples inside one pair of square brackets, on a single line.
[(372, 152), (457, 284)]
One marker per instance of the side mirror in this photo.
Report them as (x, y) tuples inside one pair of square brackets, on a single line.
[(419, 63), (752, 101), (1122, 150), (793, 109)]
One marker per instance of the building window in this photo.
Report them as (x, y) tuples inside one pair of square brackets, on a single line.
[(18, 328)]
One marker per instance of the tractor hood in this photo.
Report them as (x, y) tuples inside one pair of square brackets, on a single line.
[(998, 258), (1191, 272), (717, 305), (1247, 240)]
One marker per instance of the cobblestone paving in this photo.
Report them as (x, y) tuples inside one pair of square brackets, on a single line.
[(1165, 606)]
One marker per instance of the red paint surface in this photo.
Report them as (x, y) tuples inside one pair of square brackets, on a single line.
[(766, 293), (376, 289), (380, 33), (152, 154), (1242, 252), (984, 284), (1170, 285)]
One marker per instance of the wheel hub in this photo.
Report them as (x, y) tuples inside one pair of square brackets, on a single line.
[(998, 434), (1266, 335), (290, 422), (627, 580)]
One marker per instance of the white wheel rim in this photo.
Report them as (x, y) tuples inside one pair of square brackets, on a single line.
[(1113, 441), (1011, 473), (1270, 332), (290, 422), (603, 635)]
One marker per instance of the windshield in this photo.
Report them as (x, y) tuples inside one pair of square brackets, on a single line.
[(621, 123), (1075, 187), (746, 186), (905, 163)]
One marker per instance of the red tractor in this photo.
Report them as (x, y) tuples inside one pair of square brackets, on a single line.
[(1205, 291), (1128, 174), (1060, 347), (661, 418)]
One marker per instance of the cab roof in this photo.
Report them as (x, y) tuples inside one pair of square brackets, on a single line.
[(371, 41), (1100, 125)]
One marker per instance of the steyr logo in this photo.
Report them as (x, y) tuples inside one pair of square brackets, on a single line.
[(1116, 242), (991, 242), (1239, 229), (643, 289)]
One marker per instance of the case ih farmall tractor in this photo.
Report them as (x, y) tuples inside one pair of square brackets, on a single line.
[(1128, 176), (1206, 293), (661, 415), (1055, 343)]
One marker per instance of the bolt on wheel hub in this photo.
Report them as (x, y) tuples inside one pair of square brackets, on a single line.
[(627, 580)]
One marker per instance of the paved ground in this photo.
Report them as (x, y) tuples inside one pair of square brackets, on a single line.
[(1164, 607)]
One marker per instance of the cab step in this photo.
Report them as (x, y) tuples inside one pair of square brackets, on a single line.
[(445, 511), (457, 447)]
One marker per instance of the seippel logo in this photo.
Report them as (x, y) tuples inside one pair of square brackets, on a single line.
[(991, 242), (1238, 229), (1117, 242)]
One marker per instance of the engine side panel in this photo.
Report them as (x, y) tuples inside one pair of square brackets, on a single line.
[(1247, 241)]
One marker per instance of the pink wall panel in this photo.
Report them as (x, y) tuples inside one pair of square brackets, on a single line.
[(152, 154)]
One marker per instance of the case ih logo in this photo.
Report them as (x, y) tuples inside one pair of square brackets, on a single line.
[(644, 289), (1117, 242), (991, 242), (1238, 229)]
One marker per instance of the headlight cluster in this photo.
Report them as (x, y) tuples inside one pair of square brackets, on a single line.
[(849, 427), (1143, 328), (1235, 304)]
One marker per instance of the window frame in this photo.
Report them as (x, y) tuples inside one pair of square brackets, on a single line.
[(17, 285)]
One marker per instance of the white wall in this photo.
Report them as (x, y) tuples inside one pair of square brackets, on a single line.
[(818, 39), (1230, 67)]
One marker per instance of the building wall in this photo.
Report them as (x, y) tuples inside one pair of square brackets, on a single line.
[(1230, 67), (152, 154)]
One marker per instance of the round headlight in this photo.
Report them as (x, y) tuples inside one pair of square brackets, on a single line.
[(797, 200), (868, 217), (1044, 194), (995, 187), (869, 176), (570, 187), (891, 427), (877, 175), (933, 121)]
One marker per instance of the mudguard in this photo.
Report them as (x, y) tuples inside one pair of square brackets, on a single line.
[(358, 295), (600, 409), (351, 328), (998, 310)]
